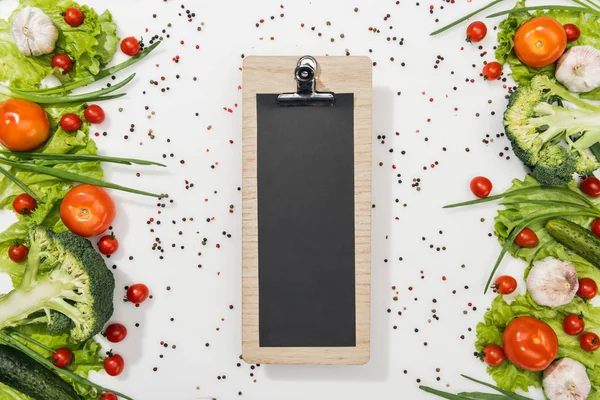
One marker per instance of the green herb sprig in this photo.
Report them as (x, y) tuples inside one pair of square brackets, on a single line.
[(506, 395)]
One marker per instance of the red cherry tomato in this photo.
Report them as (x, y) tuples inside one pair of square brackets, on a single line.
[(505, 284), (24, 204), (17, 253), (573, 324), (63, 62), (62, 357), (481, 186), (589, 341), (476, 31), (116, 333), (130, 46), (108, 396), (94, 114), (572, 32), (108, 244), (493, 355), (74, 17), (526, 238), (492, 71), (70, 122), (596, 226), (588, 289), (590, 186), (137, 293), (114, 364)]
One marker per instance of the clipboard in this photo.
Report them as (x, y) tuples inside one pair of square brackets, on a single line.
[(306, 213)]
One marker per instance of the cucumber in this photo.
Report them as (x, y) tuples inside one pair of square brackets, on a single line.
[(576, 238), (29, 377)]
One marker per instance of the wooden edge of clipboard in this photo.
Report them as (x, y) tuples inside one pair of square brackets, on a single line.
[(275, 75)]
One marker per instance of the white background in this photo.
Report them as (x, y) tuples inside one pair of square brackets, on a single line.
[(200, 297)]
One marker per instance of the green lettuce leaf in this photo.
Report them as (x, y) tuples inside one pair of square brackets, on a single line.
[(506, 32), (510, 377), (8, 393)]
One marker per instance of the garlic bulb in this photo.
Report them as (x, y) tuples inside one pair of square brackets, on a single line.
[(566, 379), (33, 32), (552, 282), (579, 69)]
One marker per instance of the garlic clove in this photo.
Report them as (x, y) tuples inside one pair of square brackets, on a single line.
[(566, 379), (33, 32), (552, 282), (579, 69)]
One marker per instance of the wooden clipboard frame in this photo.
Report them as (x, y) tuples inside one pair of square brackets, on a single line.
[(338, 75)]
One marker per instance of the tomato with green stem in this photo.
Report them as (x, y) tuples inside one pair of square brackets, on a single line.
[(526, 238), (108, 396), (588, 289), (24, 204), (505, 284), (108, 244), (492, 71), (137, 293), (476, 32), (573, 324), (62, 357), (589, 341), (17, 252), (114, 364), (63, 62)]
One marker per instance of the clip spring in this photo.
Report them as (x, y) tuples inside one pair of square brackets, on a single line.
[(306, 95)]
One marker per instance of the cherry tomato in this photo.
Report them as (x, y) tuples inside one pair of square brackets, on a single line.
[(17, 252), (493, 355), (63, 62), (70, 122), (108, 244), (62, 357), (526, 238), (588, 289), (130, 46), (529, 343), (108, 396), (573, 324), (24, 204), (116, 333), (589, 341), (481, 186), (476, 31), (596, 226), (590, 186), (114, 364), (492, 71), (87, 210), (572, 32), (137, 293), (540, 42), (505, 284), (23, 125), (94, 114), (73, 16)]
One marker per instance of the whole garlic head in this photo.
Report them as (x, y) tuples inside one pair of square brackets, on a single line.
[(552, 282), (33, 32), (579, 69), (566, 379)]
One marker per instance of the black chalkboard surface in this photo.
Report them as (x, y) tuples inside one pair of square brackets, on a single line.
[(306, 241)]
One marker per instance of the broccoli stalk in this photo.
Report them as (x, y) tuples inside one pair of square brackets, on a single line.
[(551, 139), (64, 275)]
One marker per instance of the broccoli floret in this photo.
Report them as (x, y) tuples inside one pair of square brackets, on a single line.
[(55, 322), (552, 139), (77, 285)]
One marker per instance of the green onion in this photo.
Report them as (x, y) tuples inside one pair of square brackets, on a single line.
[(507, 393), (483, 396), (439, 393), (20, 184), (56, 99), (48, 364), (70, 176), (585, 10), (549, 203), (32, 341), (587, 4), (515, 231), (458, 21), (79, 158), (93, 78)]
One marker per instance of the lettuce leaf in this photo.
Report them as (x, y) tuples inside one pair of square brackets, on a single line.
[(507, 29), (510, 377)]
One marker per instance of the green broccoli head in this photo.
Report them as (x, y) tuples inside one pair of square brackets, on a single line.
[(535, 126), (77, 285)]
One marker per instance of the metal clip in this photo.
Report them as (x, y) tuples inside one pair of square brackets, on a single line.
[(306, 73)]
